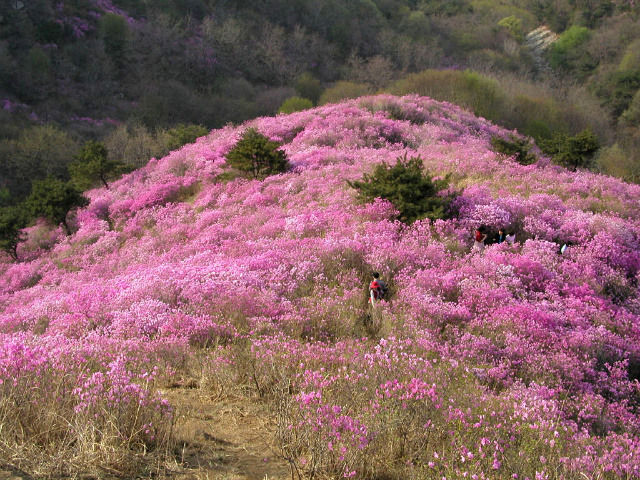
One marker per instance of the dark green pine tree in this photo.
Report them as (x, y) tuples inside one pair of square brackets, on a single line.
[(92, 164), (405, 184), (53, 200), (257, 156), (572, 152), (513, 146), (12, 221)]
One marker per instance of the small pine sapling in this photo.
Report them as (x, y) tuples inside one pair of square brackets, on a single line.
[(256, 156), (408, 187)]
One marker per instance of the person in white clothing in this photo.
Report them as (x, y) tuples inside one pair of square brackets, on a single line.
[(510, 238)]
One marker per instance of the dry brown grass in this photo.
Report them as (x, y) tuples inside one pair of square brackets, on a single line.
[(45, 436)]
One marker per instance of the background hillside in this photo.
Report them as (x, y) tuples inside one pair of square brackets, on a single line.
[(514, 362), (127, 72)]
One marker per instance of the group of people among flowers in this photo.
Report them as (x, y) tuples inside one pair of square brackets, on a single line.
[(378, 288), (481, 238)]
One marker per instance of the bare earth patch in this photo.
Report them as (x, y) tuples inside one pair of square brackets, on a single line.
[(230, 439)]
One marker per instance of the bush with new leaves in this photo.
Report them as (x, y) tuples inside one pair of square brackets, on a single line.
[(408, 187), (256, 156), (295, 104), (309, 87), (182, 134)]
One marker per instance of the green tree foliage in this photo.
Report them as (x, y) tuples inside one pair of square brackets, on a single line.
[(295, 104), (183, 134), (569, 52), (349, 24), (135, 145), (615, 161), (408, 187), (40, 151), (12, 221), (466, 88), (39, 65), (595, 11), (343, 90), (115, 32), (308, 86), (171, 102), (5, 197), (92, 164), (631, 58), (376, 71), (50, 31), (618, 88), (536, 116), (572, 152), (555, 14), (257, 156), (513, 146), (446, 7), (631, 116), (36, 75), (514, 26), (53, 199)]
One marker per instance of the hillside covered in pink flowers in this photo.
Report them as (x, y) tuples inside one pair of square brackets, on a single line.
[(515, 362)]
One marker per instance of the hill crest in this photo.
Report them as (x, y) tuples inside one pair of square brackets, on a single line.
[(264, 282)]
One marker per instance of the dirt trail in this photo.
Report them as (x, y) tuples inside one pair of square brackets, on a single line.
[(224, 439), (218, 439)]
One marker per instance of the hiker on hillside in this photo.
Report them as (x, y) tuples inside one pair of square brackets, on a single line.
[(377, 288), (479, 239), (511, 237), (564, 246), (500, 237)]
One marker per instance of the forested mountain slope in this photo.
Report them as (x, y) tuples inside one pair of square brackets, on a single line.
[(125, 71)]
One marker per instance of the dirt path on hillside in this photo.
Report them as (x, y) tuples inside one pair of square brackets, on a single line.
[(218, 439), (224, 439)]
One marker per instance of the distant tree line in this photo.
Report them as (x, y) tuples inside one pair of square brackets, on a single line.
[(43, 151)]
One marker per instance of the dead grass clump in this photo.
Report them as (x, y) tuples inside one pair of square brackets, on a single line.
[(57, 424)]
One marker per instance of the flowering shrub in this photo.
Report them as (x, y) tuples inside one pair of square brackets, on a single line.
[(517, 362)]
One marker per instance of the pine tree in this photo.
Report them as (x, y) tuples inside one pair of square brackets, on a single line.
[(257, 156), (92, 164), (572, 152), (53, 199), (12, 221), (412, 191)]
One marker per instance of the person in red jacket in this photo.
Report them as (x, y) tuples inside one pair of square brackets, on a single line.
[(377, 288), (478, 239)]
